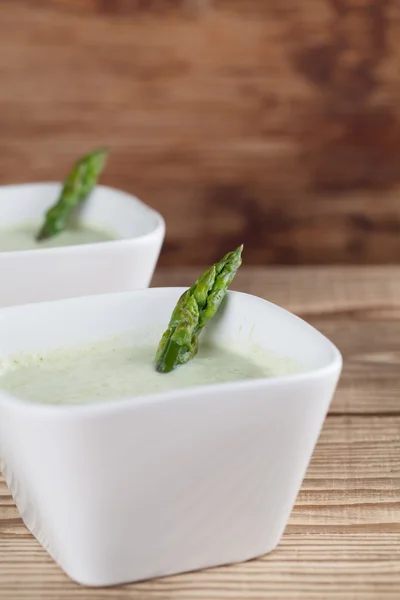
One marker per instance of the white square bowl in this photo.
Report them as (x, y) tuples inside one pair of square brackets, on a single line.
[(170, 482), (63, 272)]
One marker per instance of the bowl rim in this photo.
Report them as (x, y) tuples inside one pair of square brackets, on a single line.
[(107, 245), (332, 368)]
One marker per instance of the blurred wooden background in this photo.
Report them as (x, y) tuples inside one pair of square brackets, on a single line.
[(273, 122)]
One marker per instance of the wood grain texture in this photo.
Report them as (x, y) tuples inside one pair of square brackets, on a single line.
[(273, 123), (343, 293), (343, 538)]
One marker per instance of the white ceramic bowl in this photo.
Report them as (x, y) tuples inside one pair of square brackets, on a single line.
[(171, 482), (63, 272)]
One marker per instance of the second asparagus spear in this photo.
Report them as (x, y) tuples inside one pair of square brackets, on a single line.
[(78, 185)]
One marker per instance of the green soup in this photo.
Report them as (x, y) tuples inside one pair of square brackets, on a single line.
[(111, 370), (23, 237)]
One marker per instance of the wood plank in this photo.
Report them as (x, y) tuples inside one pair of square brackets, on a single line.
[(338, 292), (343, 539), (370, 381), (353, 481), (329, 566), (274, 123)]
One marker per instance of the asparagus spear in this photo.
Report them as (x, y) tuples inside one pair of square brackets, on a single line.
[(195, 307), (78, 185)]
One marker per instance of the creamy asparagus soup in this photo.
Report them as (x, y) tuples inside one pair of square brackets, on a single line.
[(23, 237), (114, 369)]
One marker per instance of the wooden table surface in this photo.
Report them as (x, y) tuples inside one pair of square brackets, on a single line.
[(343, 537)]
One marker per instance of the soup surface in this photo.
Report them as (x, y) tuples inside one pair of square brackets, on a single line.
[(23, 237), (114, 369)]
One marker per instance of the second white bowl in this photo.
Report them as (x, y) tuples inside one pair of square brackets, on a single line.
[(127, 263)]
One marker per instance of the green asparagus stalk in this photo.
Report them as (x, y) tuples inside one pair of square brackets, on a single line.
[(78, 185), (194, 309)]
